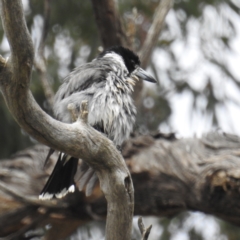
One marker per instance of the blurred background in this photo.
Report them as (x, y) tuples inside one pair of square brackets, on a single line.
[(196, 62)]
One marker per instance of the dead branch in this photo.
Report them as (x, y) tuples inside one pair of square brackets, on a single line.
[(144, 231), (80, 140)]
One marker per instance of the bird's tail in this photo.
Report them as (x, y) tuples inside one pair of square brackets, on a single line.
[(61, 181)]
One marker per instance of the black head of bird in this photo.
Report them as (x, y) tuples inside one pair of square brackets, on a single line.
[(131, 61)]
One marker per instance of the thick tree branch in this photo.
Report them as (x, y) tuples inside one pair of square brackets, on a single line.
[(78, 139)]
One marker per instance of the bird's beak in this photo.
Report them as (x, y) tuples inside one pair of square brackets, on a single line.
[(142, 74)]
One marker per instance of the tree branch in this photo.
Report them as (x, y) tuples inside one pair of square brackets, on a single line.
[(39, 63), (151, 40), (78, 139), (154, 31), (109, 24), (144, 231)]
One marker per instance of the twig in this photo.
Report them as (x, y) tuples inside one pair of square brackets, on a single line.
[(154, 31), (39, 63), (47, 10), (144, 231)]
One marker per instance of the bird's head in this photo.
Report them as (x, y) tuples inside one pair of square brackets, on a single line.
[(131, 61)]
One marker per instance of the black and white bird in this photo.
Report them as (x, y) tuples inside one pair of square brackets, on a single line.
[(106, 83)]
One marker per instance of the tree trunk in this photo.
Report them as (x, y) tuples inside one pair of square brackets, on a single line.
[(109, 24)]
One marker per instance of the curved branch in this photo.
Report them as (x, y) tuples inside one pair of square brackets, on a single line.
[(78, 139)]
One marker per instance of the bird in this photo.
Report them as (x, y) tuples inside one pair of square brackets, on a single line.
[(106, 83)]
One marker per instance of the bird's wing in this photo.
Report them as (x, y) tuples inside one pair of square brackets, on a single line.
[(81, 79), (78, 86)]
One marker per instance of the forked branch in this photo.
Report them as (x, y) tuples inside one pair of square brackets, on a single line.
[(144, 231)]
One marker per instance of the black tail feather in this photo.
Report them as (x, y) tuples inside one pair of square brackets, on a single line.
[(61, 181)]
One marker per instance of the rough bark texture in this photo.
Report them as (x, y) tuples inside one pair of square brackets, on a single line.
[(169, 176), (78, 139)]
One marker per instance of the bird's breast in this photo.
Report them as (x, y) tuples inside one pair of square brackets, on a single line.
[(113, 108)]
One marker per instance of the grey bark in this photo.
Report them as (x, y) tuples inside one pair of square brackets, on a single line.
[(78, 139)]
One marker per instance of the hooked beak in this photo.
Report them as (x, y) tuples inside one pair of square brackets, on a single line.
[(142, 74)]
